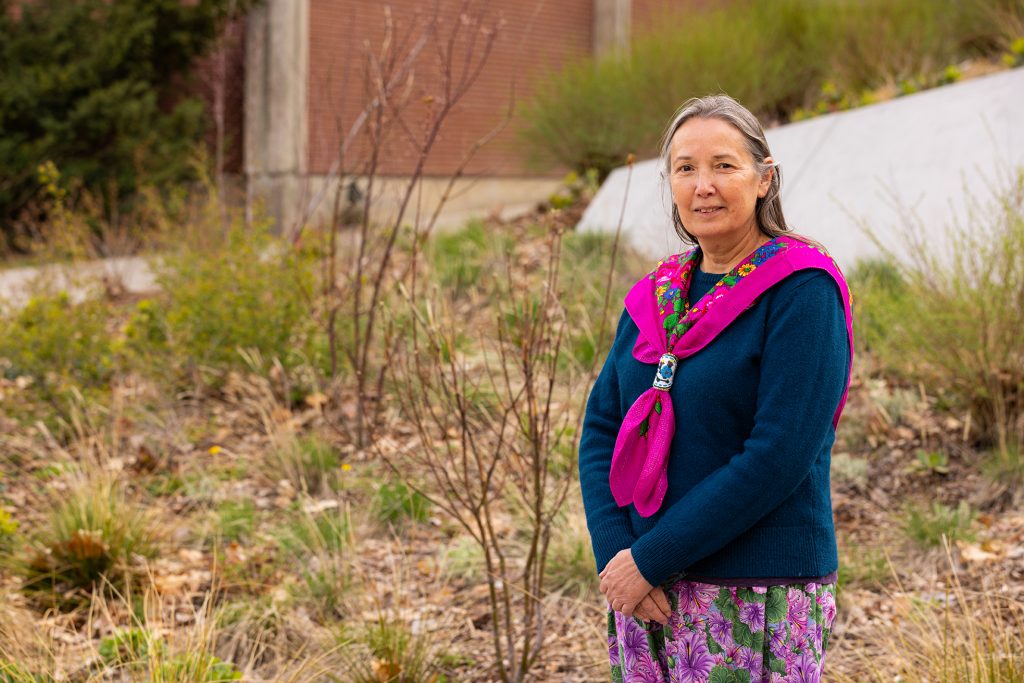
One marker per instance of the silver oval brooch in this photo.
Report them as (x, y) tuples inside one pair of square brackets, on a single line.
[(666, 372)]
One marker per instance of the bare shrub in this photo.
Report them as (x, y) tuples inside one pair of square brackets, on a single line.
[(492, 430)]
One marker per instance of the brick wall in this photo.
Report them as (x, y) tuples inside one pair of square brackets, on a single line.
[(535, 38), (648, 14)]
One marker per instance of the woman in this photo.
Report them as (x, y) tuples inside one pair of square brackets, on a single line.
[(707, 494)]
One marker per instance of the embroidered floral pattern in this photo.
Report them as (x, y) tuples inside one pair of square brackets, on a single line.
[(672, 279), (716, 633)]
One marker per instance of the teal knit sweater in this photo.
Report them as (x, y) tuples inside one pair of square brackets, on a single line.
[(748, 474)]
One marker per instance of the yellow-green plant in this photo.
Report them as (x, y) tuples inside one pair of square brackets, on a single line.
[(594, 113), (8, 528), (1015, 55), (61, 345), (245, 291)]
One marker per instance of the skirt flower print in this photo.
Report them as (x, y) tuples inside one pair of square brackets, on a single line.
[(722, 634)]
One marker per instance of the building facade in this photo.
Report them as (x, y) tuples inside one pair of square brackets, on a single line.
[(308, 79)]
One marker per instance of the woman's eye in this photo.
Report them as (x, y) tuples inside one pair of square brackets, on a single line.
[(724, 165), (685, 168)]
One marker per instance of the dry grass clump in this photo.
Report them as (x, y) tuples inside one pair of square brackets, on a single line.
[(949, 635), (94, 532)]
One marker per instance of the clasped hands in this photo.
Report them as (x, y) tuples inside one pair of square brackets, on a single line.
[(627, 590)]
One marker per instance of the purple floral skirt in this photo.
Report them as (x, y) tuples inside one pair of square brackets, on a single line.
[(722, 634)]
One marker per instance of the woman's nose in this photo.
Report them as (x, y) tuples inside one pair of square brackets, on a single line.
[(705, 186)]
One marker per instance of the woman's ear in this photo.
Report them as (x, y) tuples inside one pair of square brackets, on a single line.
[(766, 179)]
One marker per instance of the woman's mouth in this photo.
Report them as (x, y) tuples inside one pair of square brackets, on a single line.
[(708, 210)]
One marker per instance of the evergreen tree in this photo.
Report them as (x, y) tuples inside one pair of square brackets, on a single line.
[(99, 88)]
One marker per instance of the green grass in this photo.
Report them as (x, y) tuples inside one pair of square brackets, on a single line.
[(467, 260), (235, 520), (928, 526), (571, 567), (389, 651), (321, 546), (1005, 466), (396, 504), (850, 470), (309, 463)]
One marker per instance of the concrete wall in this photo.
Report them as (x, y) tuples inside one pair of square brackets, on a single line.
[(277, 63)]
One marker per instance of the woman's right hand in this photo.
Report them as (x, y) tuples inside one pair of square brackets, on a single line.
[(654, 607)]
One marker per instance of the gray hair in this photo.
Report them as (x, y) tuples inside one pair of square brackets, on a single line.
[(768, 209)]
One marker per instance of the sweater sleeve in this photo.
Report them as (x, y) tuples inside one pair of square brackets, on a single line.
[(609, 525), (805, 358)]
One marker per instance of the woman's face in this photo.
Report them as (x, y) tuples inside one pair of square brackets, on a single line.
[(714, 180)]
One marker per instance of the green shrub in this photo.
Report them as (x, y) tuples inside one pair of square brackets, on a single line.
[(248, 292), (955, 323), (928, 526), (774, 57), (61, 345)]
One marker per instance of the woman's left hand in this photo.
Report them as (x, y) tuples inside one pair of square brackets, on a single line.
[(623, 584)]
